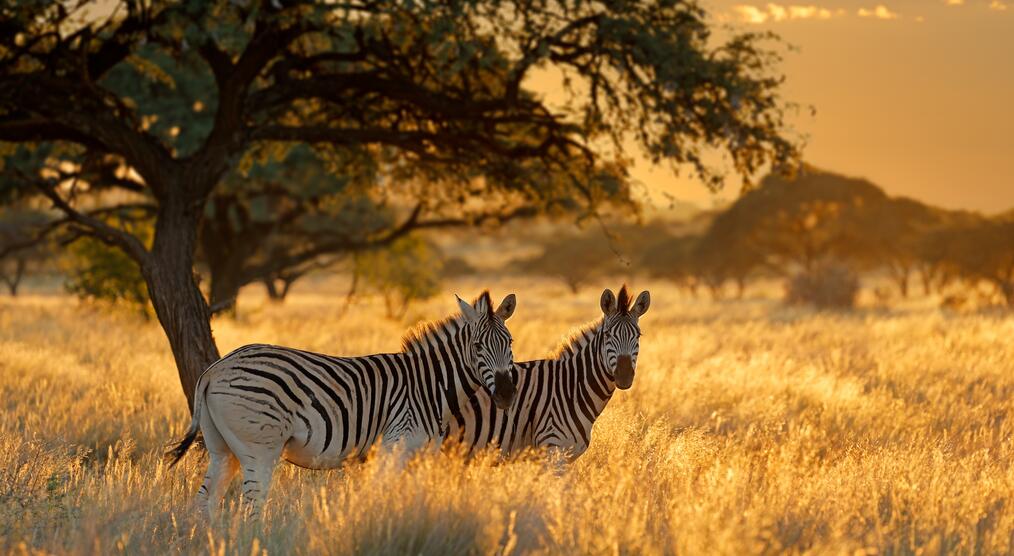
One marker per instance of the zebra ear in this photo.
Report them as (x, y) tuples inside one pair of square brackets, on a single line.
[(608, 302), (507, 306), (466, 309), (641, 304)]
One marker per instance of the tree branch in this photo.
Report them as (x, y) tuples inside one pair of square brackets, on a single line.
[(109, 235)]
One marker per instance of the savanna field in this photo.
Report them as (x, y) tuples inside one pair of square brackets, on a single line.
[(750, 428)]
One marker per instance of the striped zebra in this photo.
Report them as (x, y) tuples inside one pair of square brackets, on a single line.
[(261, 402), (558, 399)]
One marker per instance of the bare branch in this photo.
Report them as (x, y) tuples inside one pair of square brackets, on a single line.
[(109, 235)]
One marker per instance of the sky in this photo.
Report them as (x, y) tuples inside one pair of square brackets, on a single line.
[(915, 95)]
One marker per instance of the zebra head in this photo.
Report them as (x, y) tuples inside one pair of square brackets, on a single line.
[(620, 334), (489, 346)]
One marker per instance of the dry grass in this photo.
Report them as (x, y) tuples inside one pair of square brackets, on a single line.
[(750, 429)]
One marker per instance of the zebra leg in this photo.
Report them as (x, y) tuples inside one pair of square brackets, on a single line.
[(256, 439), (221, 470), (257, 472)]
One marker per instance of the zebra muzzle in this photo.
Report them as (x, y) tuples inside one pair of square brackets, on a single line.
[(624, 374), (503, 390)]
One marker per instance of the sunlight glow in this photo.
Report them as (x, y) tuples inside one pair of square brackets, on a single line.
[(778, 12), (879, 12)]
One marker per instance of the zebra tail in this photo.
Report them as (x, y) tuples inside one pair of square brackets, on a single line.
[(180, 450)]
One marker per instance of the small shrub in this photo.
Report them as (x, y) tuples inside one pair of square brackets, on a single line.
[(406, 271), (829, 285), (100, 273)]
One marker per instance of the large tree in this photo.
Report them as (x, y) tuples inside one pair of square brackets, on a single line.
[(436, 91)]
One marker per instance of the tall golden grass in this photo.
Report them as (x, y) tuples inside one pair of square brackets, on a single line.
[(751, 428)]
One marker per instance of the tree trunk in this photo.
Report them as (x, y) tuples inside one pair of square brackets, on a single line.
[(14, 281), (226, 282), (179, 304), (273, 294), (901, 278), (1007, 289), (286, 286)]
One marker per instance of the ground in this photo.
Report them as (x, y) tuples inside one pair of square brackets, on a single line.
[(750, 428)]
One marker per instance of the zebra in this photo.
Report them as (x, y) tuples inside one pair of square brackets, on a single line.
[(558, 399), (261, 402)]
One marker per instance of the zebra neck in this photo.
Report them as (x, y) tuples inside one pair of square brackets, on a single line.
[(585, 369), (440, 370)]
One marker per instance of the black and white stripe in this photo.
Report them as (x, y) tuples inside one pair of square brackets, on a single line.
[(261, 402), (559, 399)]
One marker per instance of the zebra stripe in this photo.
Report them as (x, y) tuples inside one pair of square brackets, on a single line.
[(559, 399), (261, 402)]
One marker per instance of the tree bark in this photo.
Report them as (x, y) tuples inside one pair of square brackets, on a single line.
[(226, 281), (179, 305)]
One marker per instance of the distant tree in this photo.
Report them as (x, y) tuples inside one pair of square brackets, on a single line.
[(20, 254), (718, 259), (982, 251), (433, 90), (794, 222), (406, 271), (674, 258), (280, 217), (934, 250), (890, 233), (575, 259)]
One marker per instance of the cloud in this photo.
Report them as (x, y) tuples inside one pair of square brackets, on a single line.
[(998, 6), (880, 12), (779, 12)]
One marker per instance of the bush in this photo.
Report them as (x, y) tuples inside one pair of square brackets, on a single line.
[(100, 273), (829, 285), (407, 270)]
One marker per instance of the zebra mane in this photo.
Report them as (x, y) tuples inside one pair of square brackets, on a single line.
[(579, 339), (576, 340), (623, 301), (428, 333)]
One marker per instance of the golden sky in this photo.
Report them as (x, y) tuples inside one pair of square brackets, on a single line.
[(915, 95)]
